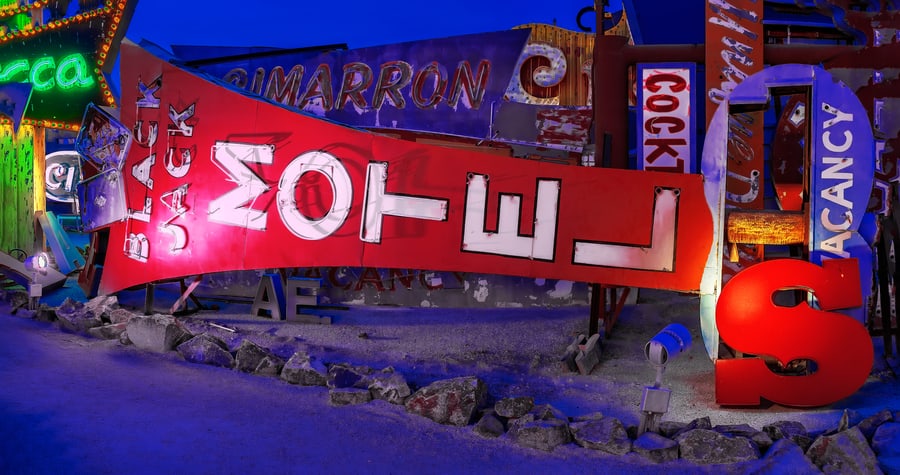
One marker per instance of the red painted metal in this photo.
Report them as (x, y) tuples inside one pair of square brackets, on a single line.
[(140, 250), (751, 322)]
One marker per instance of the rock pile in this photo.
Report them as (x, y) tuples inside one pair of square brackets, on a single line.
[(851, 447)]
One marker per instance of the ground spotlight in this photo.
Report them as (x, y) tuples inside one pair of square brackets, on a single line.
[(37, 264), (665, 346)]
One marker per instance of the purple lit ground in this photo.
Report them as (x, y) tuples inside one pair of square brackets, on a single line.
[(76, 405)]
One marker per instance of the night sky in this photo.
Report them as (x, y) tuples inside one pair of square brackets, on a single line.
[(292, 24)]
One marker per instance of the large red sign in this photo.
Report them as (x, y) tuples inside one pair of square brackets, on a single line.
[(217, 181)]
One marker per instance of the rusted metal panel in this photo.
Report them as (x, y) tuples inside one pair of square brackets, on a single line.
[(563, 128), (555, 68)]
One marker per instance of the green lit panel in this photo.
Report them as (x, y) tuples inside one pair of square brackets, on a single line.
[(24, 169), (9, 229), (62, 67)]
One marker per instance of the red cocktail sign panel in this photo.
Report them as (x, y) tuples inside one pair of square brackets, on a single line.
[(218, 181)]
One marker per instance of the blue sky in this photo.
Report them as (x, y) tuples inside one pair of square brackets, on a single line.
[(291, 23)]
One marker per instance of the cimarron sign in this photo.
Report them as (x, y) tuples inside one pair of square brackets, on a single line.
[(217, 180), (447, 85)]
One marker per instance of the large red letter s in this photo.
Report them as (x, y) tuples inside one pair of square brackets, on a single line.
[(750, 322)]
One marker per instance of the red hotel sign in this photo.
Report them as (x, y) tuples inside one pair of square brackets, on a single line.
[(218, 181)]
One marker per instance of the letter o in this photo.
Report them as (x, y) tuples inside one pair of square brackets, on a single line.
[(678, 83), (662, 103), (341, 188)]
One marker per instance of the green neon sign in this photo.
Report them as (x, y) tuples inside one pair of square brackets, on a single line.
[(45, 73)]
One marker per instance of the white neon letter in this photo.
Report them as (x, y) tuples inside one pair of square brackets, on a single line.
[(341, 188), (658, 256), (507, 241), (229, 208), (379, 203)]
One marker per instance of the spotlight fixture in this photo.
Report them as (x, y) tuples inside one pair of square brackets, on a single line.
[(665, 346), (38, 263)]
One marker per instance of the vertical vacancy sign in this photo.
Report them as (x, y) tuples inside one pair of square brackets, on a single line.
[(666, 125)]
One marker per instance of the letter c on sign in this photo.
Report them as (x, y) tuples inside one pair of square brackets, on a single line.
[(341, 188), (750, 322)]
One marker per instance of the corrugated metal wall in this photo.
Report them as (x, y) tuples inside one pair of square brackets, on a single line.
[(578, 49)]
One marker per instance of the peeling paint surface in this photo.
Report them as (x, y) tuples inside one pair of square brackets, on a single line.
[(482, 292), (562, 290)]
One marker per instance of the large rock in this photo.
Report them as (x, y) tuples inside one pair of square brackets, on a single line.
[(698, 423), (886, 444), (45, 313), (248, 356), (869, 425), (606, 434), (75, 317), (102, 306), (348, 396), (671, 428), (886, 440), (704, 446), (656, 448), (546, 412), (345, 375), (845, 452), (17, 299), (513, 407), (784, 458), (784, 430), (302, 369), (108, 332), (450, 401), (489, 425), (792, 430), (121, 315), (758, 437), (270, 365), (542, 434), (389, 386), (159, 333), (206, 349)]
